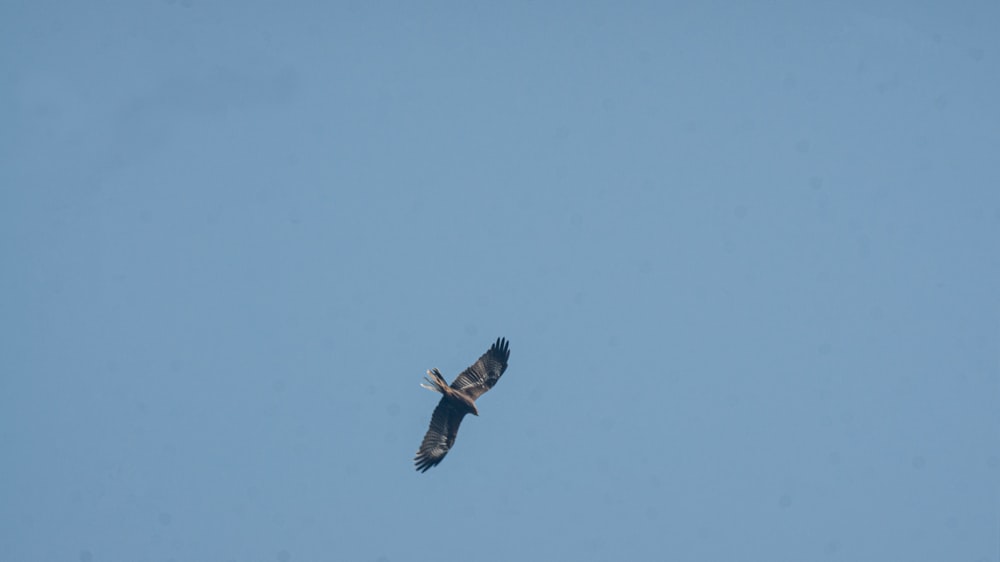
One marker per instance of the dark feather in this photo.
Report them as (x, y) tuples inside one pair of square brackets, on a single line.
[(440, 435), (484, 373)]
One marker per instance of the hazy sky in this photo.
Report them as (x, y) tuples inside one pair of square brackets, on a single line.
[(747, 255)]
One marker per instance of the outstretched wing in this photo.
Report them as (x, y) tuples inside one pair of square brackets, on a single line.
[(480, 377), (440, 435)]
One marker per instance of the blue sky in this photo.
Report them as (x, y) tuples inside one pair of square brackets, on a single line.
[(746, 255)]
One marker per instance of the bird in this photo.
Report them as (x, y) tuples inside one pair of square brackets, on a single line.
[(459, 399)]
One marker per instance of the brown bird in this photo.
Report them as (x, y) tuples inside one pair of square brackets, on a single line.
[(459, 399)]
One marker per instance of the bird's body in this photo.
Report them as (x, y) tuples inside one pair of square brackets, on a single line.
[(458, 400)]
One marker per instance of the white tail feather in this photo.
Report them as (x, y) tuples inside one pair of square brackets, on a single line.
[(436, 381)]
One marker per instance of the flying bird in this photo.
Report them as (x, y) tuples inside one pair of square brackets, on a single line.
[(459, 399)]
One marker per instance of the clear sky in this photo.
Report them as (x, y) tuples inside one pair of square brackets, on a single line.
[(747, 256)]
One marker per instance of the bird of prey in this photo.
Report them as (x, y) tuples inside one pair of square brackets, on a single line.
[(459, 399)]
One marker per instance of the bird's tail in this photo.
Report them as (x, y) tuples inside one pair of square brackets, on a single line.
[(437, 382)]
